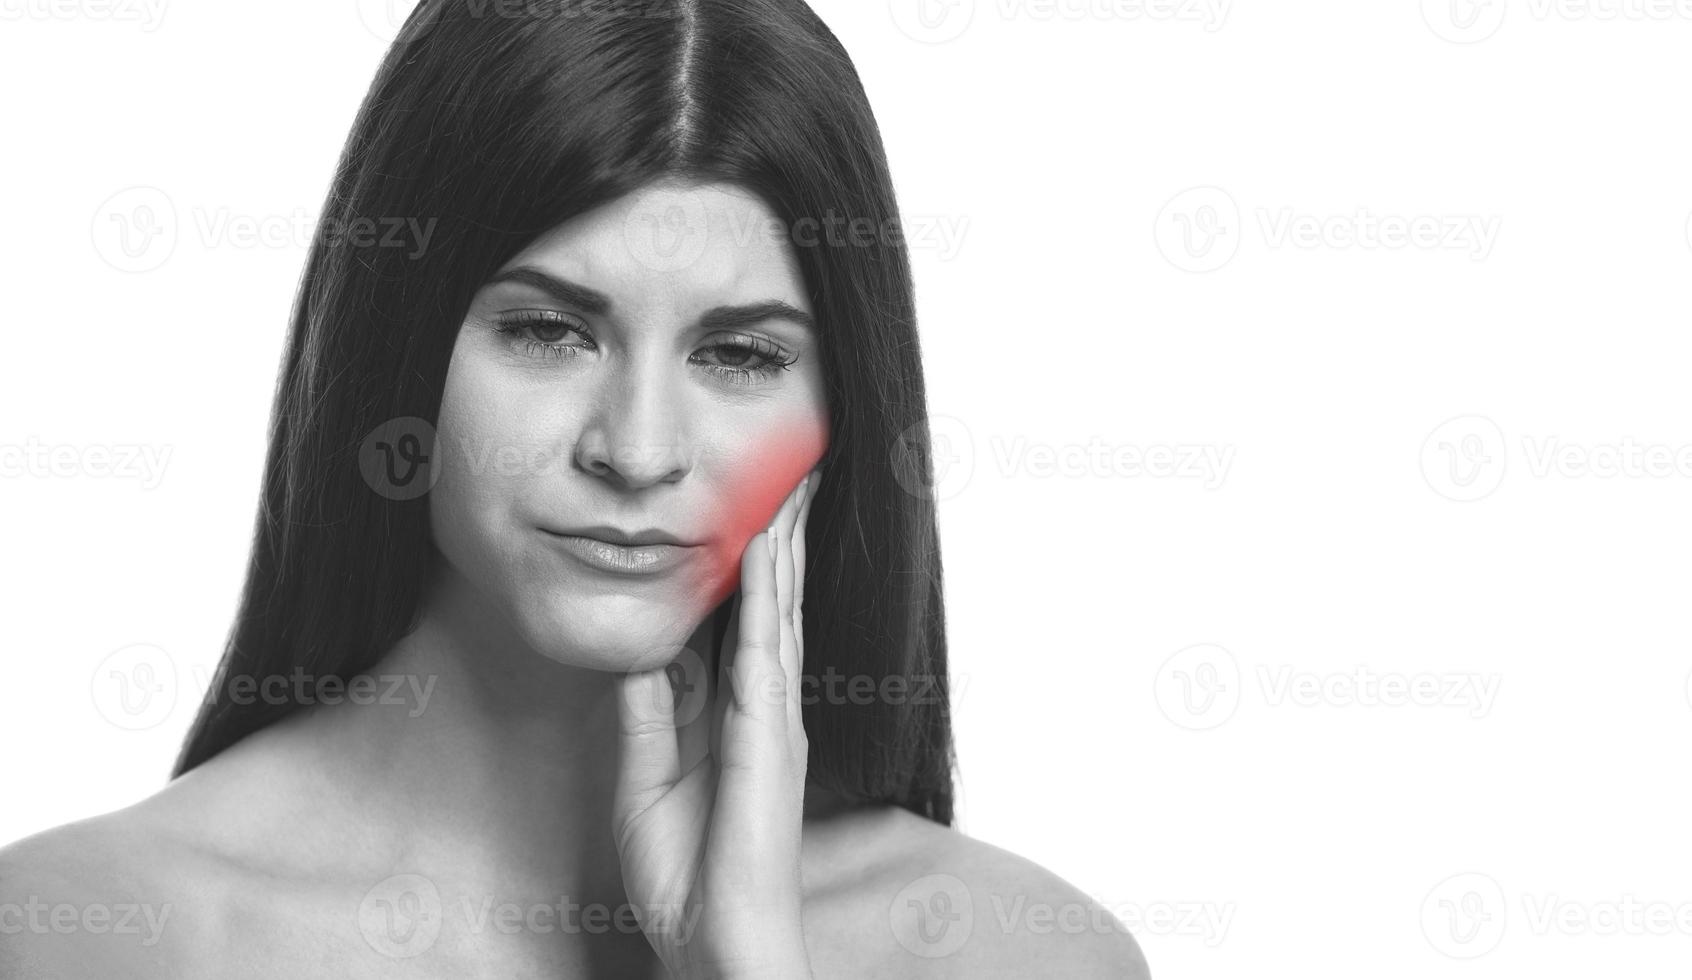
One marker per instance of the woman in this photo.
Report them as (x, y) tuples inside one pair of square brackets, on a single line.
[(550, 490)]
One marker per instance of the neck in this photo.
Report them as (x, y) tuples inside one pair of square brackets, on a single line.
[(492, 760)]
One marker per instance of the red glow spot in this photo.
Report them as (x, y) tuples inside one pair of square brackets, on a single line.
[(757, 487)]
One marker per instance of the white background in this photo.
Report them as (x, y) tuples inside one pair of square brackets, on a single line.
[(1123, 634)]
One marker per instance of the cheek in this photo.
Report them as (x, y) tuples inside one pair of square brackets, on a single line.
[(753, 489), (472, 492)]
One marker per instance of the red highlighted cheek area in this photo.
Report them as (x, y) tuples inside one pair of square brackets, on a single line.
[(753, 488)]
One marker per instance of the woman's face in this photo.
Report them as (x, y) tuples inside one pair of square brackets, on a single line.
[(648, 366)]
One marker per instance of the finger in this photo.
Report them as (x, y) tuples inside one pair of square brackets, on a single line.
[(799, 541), (757, 650), (650, 761), (725, 682), (757, 813), (694, 682), (786, 519)]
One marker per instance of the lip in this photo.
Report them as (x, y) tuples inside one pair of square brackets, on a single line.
[(621, 559), (614, 535)]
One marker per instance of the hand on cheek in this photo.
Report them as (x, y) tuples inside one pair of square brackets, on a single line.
[(752, 495), (717, 846)]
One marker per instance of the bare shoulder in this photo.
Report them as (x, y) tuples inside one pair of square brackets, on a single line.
[(151, 890), (96, 897), (896, 895)]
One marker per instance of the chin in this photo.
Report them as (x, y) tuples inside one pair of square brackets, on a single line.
[(607, 631)]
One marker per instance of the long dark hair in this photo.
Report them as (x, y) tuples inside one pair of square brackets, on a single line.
[(496, 123)]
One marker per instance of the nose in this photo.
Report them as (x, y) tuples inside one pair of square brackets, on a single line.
[(634, 435)]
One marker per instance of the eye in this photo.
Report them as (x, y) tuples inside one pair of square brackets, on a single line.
[(731, 359), (539, 331), (740, 359)]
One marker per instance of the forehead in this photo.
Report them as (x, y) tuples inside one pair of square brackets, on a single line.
[(674, 245)]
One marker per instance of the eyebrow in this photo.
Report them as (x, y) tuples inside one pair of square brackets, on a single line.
[(597, 303)]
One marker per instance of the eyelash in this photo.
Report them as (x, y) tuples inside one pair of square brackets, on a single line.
[(516, 323)]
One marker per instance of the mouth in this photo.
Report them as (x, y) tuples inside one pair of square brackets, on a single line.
[(622, 558), (614, 535)]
